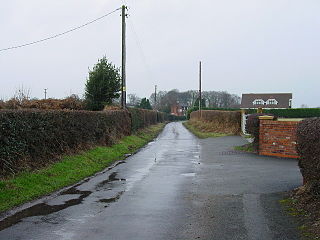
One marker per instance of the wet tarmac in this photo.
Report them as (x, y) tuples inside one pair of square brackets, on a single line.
[(177, 187)]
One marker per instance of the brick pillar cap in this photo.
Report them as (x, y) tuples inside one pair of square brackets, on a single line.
[(266, 117)]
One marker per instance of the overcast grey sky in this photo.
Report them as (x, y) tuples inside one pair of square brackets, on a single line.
[(246, 46)]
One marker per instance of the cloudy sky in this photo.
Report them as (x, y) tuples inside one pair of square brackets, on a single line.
[(246, 46)]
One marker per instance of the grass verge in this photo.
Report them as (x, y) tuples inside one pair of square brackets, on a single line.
[(245, 148), (200, 133), (28, 186), (304, 204), (307, 226)]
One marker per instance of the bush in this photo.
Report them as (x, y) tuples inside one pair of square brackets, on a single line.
[(162, 117), (253, 126), (32, 138), (308, 147), (141, 118), (174, 118), (70, 103), (190, 110), (221, 121), (294, 112), (283, 113), (2, 104)]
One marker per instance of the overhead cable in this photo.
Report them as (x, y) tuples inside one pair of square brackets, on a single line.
[(59, 34)]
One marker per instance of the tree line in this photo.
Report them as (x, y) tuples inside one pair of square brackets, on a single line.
[(103, 88), (213, 99)]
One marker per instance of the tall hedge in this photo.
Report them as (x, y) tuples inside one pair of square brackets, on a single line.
[(32, 138), (141, 118), (308, 147), (174, 118), (193, 109), (221, 121), (294, 112), (281, 113)]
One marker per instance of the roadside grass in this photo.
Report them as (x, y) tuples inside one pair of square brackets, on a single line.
[(247, 136), (291, 207), (28, 186), (245, 148), (201, 132)]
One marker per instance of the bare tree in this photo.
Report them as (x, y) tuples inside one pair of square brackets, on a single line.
[(21, 95), (133, 99)]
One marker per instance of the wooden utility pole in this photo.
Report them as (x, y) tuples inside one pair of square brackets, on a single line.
[(155, 97), (200, 97), (123, 69)]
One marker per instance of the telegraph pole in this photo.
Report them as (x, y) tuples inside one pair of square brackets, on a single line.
[(155, 97), (123, 69), (200, 97), (45, 93)]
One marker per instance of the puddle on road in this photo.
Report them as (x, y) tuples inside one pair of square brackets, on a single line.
[(113, 199), (189, 174), (43, 209), (112, 178)]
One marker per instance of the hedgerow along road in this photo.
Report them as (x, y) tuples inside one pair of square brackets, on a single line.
[(177, 187)]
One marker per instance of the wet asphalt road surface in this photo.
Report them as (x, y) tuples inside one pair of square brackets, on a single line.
[(177, 187)]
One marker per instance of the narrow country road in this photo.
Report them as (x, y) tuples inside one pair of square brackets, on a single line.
[(178, 187)]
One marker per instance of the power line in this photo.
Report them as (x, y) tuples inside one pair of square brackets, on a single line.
[(60, 34)]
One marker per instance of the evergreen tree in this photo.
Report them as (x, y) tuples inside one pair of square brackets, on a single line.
[(145, 104), (103, 85)]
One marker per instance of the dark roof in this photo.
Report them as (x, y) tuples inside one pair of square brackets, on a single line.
[(283, 100)]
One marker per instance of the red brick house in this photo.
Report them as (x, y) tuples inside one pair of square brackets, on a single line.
[(178, 110)]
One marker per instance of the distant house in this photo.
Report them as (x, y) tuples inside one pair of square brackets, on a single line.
[(266, 100), (178, 109)]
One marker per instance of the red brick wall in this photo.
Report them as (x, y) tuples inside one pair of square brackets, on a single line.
[(278, 138)]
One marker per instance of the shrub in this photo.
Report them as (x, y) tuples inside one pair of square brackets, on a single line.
[(283, 113), (145, 104), (253, 126), (190, 110), (2, 104), (308, 147), (70, 103), (162, 117), (176, 118), (141, 118), (221, 121), (295, 112), (32, 138)]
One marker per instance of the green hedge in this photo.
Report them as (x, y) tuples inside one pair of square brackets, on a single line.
[(282, 113), (190, 110), (220, 121), (174, 118), (141, 118), (294, 112), (32, 138)]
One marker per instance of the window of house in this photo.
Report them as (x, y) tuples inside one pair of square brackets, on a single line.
[(258, 102), (272, 102)]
